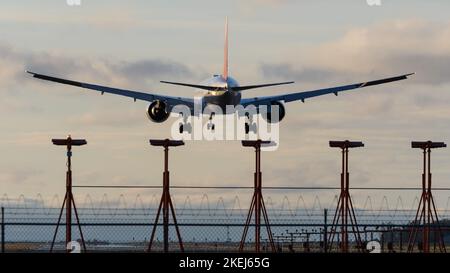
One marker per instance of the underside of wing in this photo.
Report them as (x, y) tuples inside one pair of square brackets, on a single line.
[(135, 95), (302, 96)]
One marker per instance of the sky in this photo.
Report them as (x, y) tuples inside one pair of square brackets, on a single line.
[(135, 44)]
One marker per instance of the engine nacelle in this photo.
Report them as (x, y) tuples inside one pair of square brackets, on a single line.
[(157, 111), (281, 112)]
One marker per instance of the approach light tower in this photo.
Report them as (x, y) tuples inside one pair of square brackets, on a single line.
[(257, 203), (68, 198), (166, 202), (344, 208), (426, 215)]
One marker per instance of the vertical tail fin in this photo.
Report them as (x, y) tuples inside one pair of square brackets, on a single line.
[(225, 53)]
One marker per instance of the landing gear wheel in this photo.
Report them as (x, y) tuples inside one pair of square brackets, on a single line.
[(251, 127), (185, 127), (211, 126), (181, 128), (189, 127)]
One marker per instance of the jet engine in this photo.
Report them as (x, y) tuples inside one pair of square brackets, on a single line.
[(281, 112), (157, 111)]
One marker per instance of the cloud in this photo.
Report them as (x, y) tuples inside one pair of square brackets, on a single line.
[(129, 74), (115, 72), (10, 63), (271, 2), (388, 48), (111, 119), (14, 177), (250, 6), (135, 74), (288, 71), (153, 68), (106, 17), (432, 69)]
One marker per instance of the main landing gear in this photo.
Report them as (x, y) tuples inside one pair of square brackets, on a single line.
[(249, 124), (185, 126), (211, 126)]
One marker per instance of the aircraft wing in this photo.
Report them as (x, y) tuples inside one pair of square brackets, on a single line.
[(172, 101), (302, 96)]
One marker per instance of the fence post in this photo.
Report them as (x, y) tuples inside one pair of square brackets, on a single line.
[(325, 230), (3, 230)]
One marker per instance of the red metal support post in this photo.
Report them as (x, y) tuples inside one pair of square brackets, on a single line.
[(166, 202), (68, 201), (344, 208), (426, 215), (69, 195), (257, 204)]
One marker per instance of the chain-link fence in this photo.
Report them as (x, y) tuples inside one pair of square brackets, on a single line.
[(30, 227)]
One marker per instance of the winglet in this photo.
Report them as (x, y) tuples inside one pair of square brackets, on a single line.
[(225, 52)]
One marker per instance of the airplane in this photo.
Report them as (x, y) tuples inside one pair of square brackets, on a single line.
[(220, 90)]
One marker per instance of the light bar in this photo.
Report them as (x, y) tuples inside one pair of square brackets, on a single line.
[(166, 142), (69, 142), (346, 144), (254, 143), (427, 144)]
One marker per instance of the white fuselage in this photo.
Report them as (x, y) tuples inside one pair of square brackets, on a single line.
[(224, 95)]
